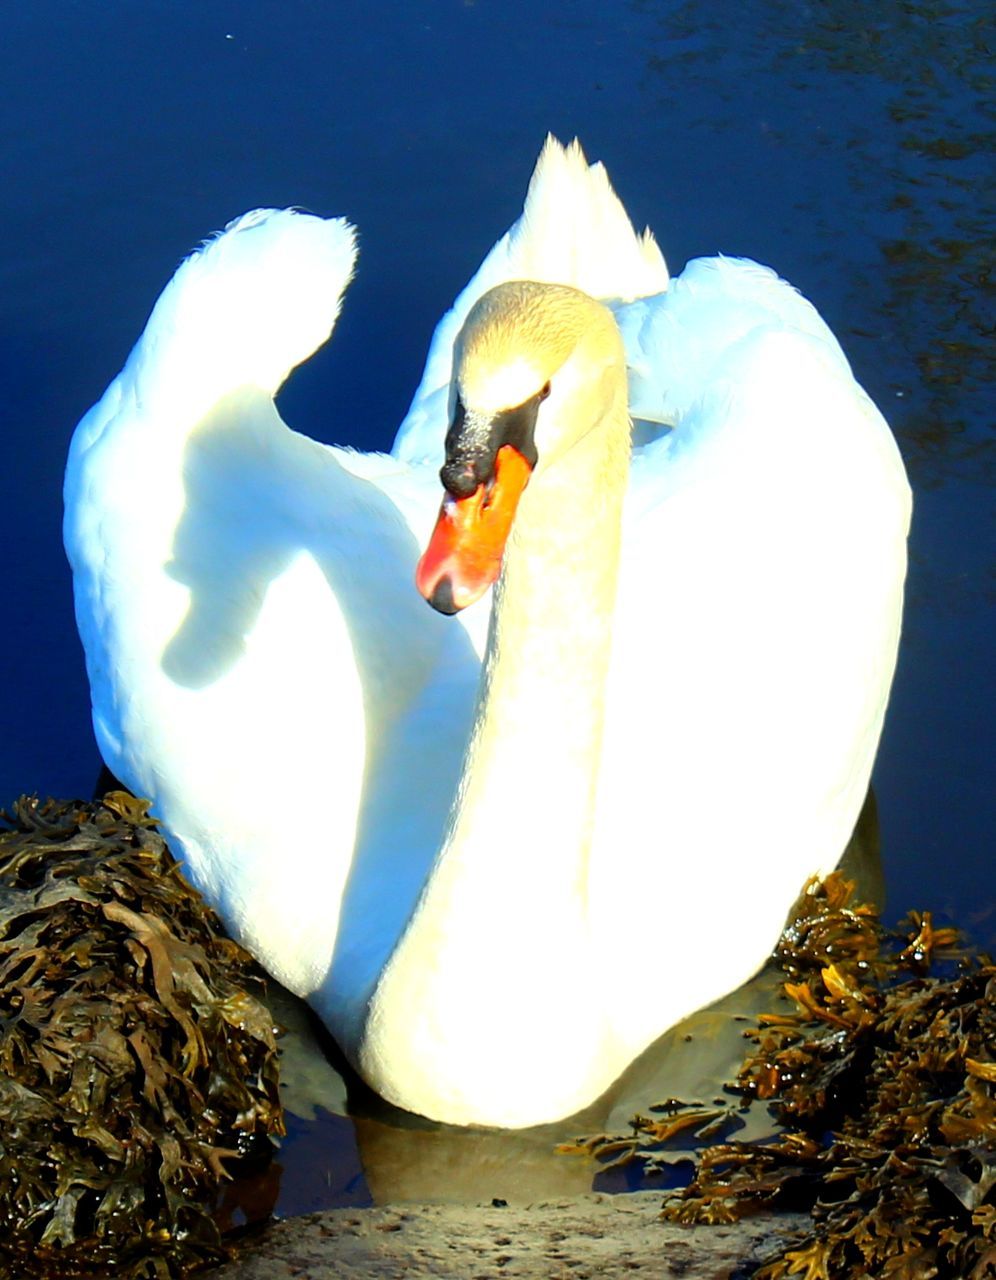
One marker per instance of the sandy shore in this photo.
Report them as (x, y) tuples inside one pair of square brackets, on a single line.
[(594, 1237)]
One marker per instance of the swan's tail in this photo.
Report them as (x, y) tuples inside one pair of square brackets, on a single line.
[(573, 230), (246, 308)]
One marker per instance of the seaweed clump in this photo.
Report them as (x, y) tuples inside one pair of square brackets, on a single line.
[(884, 1078), (135, 1060)]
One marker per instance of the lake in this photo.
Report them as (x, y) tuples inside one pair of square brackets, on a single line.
[(843, 144)]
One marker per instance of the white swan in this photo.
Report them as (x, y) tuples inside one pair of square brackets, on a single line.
[(684, 682)]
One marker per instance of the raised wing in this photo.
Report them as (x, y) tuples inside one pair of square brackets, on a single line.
[(254, 641), (758, 617)]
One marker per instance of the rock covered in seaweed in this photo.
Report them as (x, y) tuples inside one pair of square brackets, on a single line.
[(884, 1076), (135, 1060)]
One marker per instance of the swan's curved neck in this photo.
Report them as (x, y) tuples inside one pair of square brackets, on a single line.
[(529, 782), (497, 955)]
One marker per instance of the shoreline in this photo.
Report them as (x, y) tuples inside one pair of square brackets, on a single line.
[(590, 1237)]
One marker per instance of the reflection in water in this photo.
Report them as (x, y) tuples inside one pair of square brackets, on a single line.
[(933, 63), (345, 1146), (890, 101)]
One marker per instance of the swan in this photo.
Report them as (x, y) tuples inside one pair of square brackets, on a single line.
[(504, 843)]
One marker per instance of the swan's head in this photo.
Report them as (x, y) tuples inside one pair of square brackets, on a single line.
[(535, 369)]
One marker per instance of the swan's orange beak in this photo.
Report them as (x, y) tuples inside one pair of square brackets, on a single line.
[(464, 554)]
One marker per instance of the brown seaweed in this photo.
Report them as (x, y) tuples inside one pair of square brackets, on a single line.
[(883, 1074), (137, 1062)]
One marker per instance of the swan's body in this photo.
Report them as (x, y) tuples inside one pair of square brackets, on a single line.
[(686, 677)]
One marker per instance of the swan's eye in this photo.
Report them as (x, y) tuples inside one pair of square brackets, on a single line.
[(543, 392)]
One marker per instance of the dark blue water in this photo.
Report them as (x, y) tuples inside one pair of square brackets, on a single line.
[(842, 143)]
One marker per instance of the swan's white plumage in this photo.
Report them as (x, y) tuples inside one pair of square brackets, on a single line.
[(262, 667)]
